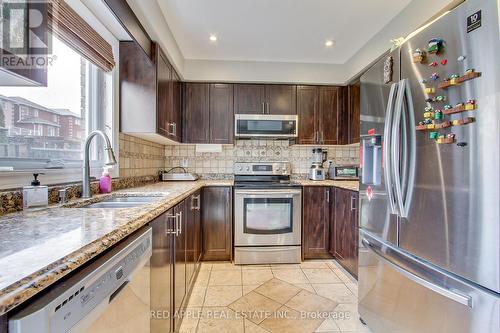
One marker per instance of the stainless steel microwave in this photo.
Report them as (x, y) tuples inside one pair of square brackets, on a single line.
[(265, 126)]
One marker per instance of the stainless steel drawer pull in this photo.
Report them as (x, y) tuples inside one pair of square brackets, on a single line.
[(457, 297)]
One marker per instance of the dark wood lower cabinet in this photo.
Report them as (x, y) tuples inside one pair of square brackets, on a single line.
[(175, 262), (344, 239), (216, 211), (316, 222)]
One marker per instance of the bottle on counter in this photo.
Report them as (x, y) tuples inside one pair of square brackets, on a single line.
[(105, 181), (35, 196)]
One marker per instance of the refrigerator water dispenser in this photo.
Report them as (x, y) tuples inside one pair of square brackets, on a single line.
[(372, 160)]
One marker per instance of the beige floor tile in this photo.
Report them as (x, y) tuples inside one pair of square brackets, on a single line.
[(333, 264), (190, 320), (309, 302), (353, 287), (253, 328), (328, 326), (205, 266), (255, 307), (350, 321), (290, 321), (257, 276), (337, 292), (222, 295), (306, 286), (254, 267), (290, 275), (202, 279), (314, 264), (249, 288), (278, 290), (343, 276), (225, 266), (197, 297), (220, 320), (225, 278), (285, 266), (315, 275)]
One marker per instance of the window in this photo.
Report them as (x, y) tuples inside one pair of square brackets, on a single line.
[(50, 123)]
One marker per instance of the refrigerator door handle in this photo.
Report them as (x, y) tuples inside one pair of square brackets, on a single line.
[(395, 146), (450, 294), (410, 152), (387, 147)]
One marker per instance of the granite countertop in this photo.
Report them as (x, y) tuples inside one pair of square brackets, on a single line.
[(37, 248), (352, 185)]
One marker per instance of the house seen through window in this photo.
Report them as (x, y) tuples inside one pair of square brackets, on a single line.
[(45, 127)]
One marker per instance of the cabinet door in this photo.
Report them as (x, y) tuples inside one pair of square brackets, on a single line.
[(343, 116), (193, 231), (307, 109), (328, 113), (163, 92), (281, 99), (175, 114), (162, 272), (217, 223), (249, 98), (346, 230), (316, 221), (354, 112), (221, 113), (354, 232), (196, 113), (180, 287)]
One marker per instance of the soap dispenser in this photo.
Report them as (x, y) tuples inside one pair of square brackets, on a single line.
[(35, 196), (105, 181)]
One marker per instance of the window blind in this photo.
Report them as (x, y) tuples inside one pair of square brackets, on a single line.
[(71, 28)]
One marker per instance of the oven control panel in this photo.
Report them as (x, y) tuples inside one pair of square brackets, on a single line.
[(262, 168)]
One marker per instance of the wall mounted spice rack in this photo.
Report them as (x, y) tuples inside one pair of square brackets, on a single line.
[(444, 124), (464, 121), (445, 140), (458, 109), (459, 80)]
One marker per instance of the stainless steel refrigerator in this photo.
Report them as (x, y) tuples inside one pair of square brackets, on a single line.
[(429, 256)]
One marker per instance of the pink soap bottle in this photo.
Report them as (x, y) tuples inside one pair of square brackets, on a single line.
[(105, 181)]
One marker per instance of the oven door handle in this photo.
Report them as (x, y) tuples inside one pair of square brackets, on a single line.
[(267, 192)]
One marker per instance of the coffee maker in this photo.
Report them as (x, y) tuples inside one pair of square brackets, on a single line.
[(317, 172)]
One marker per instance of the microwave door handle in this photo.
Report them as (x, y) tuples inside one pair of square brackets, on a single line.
[(387, 147)]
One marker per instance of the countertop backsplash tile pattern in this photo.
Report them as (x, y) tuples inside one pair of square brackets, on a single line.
[(139, 157), (254, 150)]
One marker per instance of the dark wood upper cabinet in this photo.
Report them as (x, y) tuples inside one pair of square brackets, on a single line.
[(164, 92), (249, 98), (319, 109), (307, 109), (354, 112), (196, 113), (150, 94), (316, 222), (221, 113), (328, 114), (265, 99), (345, 230), (281, 99), (216, 220)]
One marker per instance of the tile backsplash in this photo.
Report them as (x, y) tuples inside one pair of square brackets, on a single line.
[(139, 157), (222, 162)]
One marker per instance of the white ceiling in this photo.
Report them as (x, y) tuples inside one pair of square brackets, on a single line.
[(276, 30)]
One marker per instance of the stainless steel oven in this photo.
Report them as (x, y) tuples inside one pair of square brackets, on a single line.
[(267, 216), (265, 126)]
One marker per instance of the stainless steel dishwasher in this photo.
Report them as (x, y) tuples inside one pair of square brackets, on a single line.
[(111, 294)]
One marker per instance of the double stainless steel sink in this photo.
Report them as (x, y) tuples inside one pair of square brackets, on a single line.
[(123, 202)]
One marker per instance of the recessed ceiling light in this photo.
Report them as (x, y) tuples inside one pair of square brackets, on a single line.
[(329, 43), (213, 38)]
